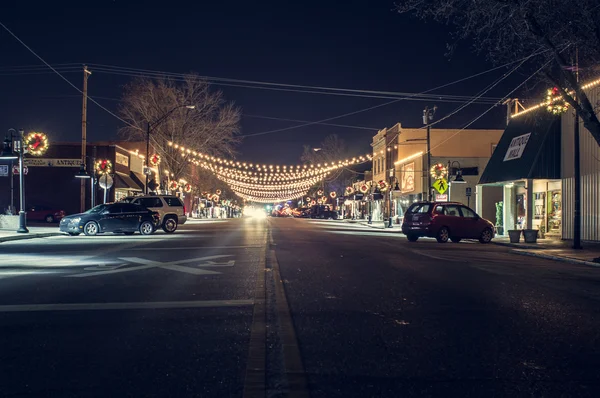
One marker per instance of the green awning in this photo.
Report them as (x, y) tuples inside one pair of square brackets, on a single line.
[(529, 148)]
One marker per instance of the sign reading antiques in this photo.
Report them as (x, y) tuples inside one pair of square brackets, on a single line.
[(41, 162), (516, 147)]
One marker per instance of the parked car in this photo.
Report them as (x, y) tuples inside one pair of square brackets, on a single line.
[(124, 218), (323, 212), (44, 214), (445, 220), (171, 209)]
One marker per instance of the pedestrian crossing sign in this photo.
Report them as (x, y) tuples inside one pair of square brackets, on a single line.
[(440, 185)]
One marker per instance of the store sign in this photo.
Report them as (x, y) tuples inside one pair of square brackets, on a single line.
[(3, 170), (122, 159), (408, 177), (516, 147), (40, 162), (441, 198)]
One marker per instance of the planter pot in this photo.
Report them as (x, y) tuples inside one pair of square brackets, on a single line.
[(514, 235), (530, 235), (500, 230)]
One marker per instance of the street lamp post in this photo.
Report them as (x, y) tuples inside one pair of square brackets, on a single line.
[(8, 154), (396, 189), (150, 126), (458, 179)]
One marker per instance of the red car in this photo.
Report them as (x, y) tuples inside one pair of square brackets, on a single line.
[(445, 220), (44, 214)]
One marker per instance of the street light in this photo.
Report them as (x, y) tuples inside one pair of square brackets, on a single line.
[(151, 126), (9, 155), (84, 175), (458, 179)]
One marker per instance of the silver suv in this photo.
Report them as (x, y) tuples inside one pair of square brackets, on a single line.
[(171, 209)]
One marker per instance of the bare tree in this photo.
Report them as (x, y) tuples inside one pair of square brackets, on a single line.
[(506, 30), (331, 150), (210, 128)]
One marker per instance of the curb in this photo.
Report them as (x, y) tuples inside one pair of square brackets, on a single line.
[(555, 258), (520, 246), (30, 236)]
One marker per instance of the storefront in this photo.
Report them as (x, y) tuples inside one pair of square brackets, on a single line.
[(523, 176)]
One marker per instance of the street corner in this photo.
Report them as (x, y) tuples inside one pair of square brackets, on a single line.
[(562, 256)]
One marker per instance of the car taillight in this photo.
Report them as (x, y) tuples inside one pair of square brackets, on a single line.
[(184, 210)]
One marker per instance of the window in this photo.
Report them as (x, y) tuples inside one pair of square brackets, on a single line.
[(173, 201), (439, 209), (452, 211), (150, 202), (419, 208), (466, 212)]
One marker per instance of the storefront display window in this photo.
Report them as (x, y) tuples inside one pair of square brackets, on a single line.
[(554, 212)]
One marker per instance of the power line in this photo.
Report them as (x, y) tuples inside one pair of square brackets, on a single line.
[(61, 76), (306, 121)]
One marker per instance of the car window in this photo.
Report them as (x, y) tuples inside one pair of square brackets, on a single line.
[(173, 201), (439, 209), (129, 208), (115, 209), (419, 208), (149, 202), (466, 212), (452, 211)]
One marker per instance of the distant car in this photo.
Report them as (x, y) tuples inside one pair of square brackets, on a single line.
[(124, 218), (445, 220), (171, 209), (44, 214)]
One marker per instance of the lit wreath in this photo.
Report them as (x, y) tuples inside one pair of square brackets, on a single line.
[(438, 171), (209, 196), (218, 191), (332, 195), (104, 166), (323, 199), (36, 143), (320, 192), (187, 188), (308, 199), (312, 203), (349, 191), (364, 188), (155, 159), (215, 198), (556, 104), (383, 185), (173, 185)]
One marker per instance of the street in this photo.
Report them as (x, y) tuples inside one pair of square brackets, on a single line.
[(281, 306)]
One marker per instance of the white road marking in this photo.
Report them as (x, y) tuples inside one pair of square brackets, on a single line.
[(124, 306), (172, 265), (194, 248)]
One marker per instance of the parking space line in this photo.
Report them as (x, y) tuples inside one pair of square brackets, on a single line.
[(124, 306)]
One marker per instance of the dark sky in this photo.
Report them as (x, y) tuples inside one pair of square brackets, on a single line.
[(354, 44)]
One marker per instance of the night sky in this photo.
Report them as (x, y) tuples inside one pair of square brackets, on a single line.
[(359, 45)]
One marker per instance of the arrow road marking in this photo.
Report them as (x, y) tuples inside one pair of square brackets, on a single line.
[(171, 265)]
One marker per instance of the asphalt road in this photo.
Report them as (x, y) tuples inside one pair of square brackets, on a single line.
[(280, 307)]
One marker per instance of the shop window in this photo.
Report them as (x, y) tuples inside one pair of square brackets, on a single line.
[(554, 212)]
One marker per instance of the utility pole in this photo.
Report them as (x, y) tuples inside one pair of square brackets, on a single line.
[(93, 175), (427, 118), (86, 73)]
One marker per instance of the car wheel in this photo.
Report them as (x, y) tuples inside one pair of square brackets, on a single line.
[(443, 235), (129, 233), (412, 238), (455, 240), (486, 236), (169, 225), (90, 228), (74, 233), (146, 228), (49, 218)]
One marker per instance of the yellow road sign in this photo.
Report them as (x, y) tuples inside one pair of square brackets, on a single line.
[(440, 185)]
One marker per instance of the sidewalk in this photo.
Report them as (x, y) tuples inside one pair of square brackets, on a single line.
[(396, 228), (554, 249), (7, 235)]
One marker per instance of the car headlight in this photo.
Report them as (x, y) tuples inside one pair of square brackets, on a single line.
[(76, 219)]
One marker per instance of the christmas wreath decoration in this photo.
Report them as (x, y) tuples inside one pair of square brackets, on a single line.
[(364, 188), (332, 195), (383, 185), (308, 199), (209, 196), (555, 103), (313, 202), (187, 188), (349, 191), (36, 143), (218, 191), (438, 171), (155, 159), (173, 185), (104, 166), (320, 192), (215, 198)]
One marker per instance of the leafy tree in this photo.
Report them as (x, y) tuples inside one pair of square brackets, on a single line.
[(506, 30)]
